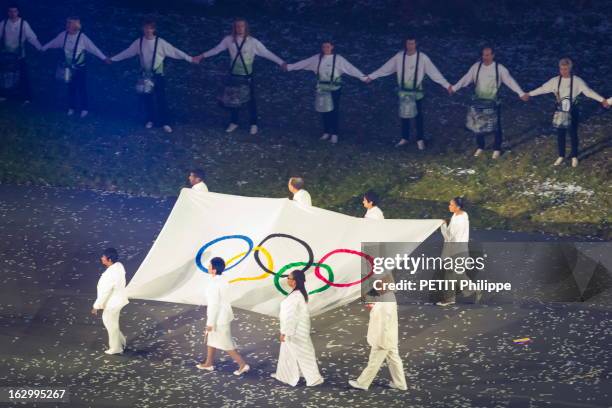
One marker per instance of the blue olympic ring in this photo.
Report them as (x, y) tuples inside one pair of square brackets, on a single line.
[(198, 258)]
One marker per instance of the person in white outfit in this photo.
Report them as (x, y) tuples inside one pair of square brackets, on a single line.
[(152, 50), (566, 87), (14, 33), (297, 354), (370, 203), (456, 233), (219, 316), (329, 68), (488, 75), (243, 48), (75, 45), (383, 338), (411, 66), (196, 180), (296, 187), (111, 298)]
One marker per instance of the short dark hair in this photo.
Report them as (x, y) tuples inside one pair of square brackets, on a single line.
[(11, 5), (372, 197), (218, 264), (198, 172), (410, 36), (149, 21), (488, 47), (111, 254), (460, 202), (297, 182)]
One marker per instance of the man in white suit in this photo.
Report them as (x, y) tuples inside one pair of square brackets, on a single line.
[(112, 296), (383, 338)]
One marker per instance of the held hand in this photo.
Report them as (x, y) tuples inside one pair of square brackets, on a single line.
[(196, 59), (94, 312), (450, 90), (605, 104), (525, 97), (368, 80), (369, 306), (209, 328), (108, 61), (284, 67), (282, 338)]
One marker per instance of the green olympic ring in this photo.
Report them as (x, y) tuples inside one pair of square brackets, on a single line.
[(278, 274)]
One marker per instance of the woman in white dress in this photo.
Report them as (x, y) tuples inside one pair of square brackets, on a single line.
[(219, 316), (297, 354), (456, 233)]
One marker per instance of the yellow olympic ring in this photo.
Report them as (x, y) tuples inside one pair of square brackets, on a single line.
[(269, 259)]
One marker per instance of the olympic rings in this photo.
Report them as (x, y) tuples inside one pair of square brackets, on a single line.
[(262, 276), (299, 241), (198, 258), (278, 275), (347, 251)]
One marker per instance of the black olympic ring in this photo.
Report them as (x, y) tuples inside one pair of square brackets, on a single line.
[(304, 244)]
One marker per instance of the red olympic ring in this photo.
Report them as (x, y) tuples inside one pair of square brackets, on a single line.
[(346, 251)]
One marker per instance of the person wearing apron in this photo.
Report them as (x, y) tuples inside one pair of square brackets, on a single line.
[(411, 65), (72, 70), (239, 87), (566, 87), (329, 68), (487, 75)]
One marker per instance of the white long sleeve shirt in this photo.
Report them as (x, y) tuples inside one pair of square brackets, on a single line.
[(218, 306), (580, 87), (303, 197), (252, 47), (111, 288), (426, 67), (458, 229), (164, 49), (11, 35), (294, 315), (382, 328), (374, 213), (325, 67), (201, 186), (85, 45), (486, 87)]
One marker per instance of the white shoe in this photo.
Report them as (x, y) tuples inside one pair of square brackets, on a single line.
[(421, 144), (397, 387), (496, 154), (70, 112), (253, 130), (242, 370), (148, 125), (231, 127), (558, 161), (448, 303), (205, 368), (318, 382), (111, 352), (355, 384), (325, 136), (401, 143), (478, 152), (334, 139), (84, 113), (167, 129), (574, 162)]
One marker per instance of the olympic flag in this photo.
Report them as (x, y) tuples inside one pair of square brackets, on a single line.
[(262, 240)]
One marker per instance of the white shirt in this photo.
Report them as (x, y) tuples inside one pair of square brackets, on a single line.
[(458, 229), (294, 313), (218, 307), (11, 35), (111, 288), (85, 44), (426, 67), (374, 213), (252, 47), (580, 87), (382, 328), (164, 49), (201, 186), (303, 197), (486, 86), (325, 69)]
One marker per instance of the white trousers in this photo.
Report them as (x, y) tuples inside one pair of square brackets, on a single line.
[(377, 357), (116, 339), (297, 357)]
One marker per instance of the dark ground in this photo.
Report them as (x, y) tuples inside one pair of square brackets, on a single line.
[(457, 357)]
